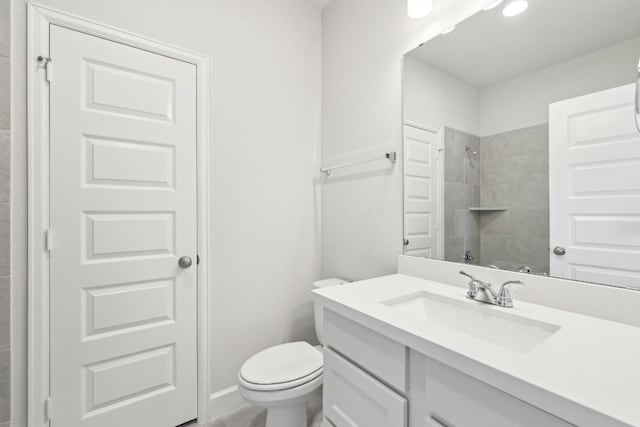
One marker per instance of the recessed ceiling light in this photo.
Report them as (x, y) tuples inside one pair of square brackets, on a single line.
[(448, 30), (492, 4), (417, 9), (515, 7)]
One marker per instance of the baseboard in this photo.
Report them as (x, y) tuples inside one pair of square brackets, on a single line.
[(225, 401)]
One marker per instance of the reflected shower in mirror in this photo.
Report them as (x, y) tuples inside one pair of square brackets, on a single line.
[(521, 148)]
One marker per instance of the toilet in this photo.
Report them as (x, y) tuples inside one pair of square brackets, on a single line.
[(284, 378)]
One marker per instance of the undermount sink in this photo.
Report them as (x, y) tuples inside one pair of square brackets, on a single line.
[(488, 323)]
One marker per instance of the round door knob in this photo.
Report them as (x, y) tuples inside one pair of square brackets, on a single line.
[(560, 251), (406, 242), (185, 262)]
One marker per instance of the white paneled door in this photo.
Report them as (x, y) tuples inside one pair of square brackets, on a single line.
[(421, 193), (594, 164), (123, 213)]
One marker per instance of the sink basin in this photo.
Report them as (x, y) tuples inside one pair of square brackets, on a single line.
[(489, 323)]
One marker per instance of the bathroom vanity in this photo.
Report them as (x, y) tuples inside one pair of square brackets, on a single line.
[(520, 154), (405, 351)]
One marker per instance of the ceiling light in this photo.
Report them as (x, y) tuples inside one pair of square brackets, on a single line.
[(448, 30), (492, 4), (419, 8), (515, 7)]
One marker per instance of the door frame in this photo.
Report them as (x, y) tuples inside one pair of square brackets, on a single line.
[(39, 18), (440, 211)]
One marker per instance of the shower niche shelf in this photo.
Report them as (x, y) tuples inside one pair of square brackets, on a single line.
[(487, 209)]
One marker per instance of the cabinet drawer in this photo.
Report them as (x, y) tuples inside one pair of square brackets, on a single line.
[(384, 358), (352, 398), (444, 397)]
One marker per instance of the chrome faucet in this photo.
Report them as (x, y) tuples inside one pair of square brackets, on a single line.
[(483, 292)]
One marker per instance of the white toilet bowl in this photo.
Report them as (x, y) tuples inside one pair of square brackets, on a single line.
[(284, 378)]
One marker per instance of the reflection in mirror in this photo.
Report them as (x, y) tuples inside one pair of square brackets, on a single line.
[(521, 147)]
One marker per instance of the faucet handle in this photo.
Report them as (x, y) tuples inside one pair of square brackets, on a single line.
[(473, 285), (504, 296)]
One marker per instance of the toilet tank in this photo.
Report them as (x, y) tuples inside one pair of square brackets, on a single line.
[(317, 308)]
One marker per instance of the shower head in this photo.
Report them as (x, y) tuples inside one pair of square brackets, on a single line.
[(470, 151)]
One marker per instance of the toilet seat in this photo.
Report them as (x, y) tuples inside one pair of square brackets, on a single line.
[(281, 367)]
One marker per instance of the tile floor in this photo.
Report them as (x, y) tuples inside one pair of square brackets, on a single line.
[(250, 416)]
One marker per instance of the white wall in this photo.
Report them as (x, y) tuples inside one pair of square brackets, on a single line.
[(265, 120), (363, 46), (437, 99), (524, 101)]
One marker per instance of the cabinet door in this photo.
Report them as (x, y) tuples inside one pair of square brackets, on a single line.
[(443, 397), (353, 398), (373, 352)]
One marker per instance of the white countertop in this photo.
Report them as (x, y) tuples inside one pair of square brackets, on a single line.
[(587, 373)]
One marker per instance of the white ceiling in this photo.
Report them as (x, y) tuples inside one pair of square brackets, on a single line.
[(549, 32), (320, 3)]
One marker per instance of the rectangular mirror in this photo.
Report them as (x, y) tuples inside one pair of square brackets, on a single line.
[(521, 144)]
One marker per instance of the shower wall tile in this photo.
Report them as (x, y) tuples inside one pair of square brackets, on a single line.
[(4, 240), (449, 220), (472, 243), (530, 195), (462, 191), (457, 195), (530, 222), (496, 195), (454, 142), (5, 209), (466, 223), (452, 170), (514, 174), (496, 223), (516, 143), (475, 195), (5, 165), (5, 359), (471, 171), (5, 300), (5, 28), (5, 92), (531, 141), (531, 251), (513, 253), (454, 249), (493, 248)]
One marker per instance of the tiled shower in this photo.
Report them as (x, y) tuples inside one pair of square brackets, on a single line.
[(5, 200), (506, 174)]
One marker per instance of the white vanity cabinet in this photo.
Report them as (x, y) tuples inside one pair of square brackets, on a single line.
[(373, 381), (363, 387), (441, 396), (352, 397)]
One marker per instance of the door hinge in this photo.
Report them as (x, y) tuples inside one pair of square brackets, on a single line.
[(48, 240), (48, 410), (46, 64)]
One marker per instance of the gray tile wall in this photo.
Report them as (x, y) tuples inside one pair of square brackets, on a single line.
[(5, 115), (515, 175), (461, 191)]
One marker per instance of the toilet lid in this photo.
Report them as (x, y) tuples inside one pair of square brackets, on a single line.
[(282, 364)]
